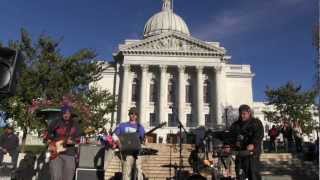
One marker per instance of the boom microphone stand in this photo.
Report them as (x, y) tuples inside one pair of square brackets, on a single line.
[(175, 117)]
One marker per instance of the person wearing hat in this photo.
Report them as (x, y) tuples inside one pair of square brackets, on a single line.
[(249, 133), (65, 130), (9, 143), (130, 160)]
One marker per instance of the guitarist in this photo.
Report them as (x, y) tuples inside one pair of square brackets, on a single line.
[(63, 165), (130, 160)]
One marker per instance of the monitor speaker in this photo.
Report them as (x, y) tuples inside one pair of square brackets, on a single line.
[(91, 156)]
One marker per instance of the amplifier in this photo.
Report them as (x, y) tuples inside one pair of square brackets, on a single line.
[(91, 156), (89, 174)]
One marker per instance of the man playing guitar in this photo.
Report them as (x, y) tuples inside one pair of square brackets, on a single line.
[(63, 135), (130, 160)]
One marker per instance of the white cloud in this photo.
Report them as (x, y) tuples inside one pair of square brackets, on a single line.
[(230, 23)]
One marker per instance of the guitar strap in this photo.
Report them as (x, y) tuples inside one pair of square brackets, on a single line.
[(68, 132)]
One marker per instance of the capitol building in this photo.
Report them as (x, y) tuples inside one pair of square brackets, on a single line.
[(171, 76)]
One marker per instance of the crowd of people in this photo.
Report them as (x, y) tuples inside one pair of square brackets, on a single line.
[(292, 137)]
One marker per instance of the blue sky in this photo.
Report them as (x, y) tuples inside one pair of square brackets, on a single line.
[(273, 36)]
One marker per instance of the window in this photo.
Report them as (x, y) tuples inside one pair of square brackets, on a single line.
[(190, 122), (188, 91), (206, 91), (135, 89), (152, 118), (171, 121), (171, 90), (153, 91), (207, 120)]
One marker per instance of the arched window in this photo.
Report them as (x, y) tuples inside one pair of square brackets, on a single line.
[(135, 89)]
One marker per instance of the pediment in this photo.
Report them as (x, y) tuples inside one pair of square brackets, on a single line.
[(172, 43)]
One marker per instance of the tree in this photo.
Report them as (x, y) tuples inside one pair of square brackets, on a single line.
[(47, 76), (291, 103)]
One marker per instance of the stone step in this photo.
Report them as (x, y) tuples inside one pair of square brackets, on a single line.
[(152, 165)]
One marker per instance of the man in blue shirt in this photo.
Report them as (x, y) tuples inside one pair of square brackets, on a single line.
[(129, 160)]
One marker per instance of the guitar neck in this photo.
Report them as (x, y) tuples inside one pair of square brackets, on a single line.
[(155, 128)]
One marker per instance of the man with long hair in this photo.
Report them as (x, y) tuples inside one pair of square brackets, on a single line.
[(249, 133), (65, 130)]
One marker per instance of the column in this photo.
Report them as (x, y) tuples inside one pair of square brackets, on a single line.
[(162, 94), (124, 93), (219, 95), (143, 96), (182, 95), (200, 115)]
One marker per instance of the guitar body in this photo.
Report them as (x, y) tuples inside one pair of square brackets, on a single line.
[(55, 148)]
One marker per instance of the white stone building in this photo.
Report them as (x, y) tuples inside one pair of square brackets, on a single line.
[(170, 75)]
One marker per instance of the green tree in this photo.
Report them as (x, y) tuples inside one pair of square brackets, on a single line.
[(291, 103), (47, 76)]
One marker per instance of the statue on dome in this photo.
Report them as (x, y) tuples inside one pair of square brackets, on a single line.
[(167, 5)]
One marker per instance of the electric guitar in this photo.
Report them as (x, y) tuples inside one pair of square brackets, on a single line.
[(55, 148), (155, 128)]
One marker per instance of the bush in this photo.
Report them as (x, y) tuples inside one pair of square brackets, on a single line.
[(35, 149)]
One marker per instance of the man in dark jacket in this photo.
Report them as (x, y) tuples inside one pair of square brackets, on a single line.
[(9, 143), (249, 134)]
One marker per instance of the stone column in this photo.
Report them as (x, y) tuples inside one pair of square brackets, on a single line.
[(182, 94), (124, 93), (219, 95), (143, 96), (162, 94), (200, 115)]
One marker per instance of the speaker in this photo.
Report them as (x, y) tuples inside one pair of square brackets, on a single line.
[(91, 156), (10, 60), (89, 174)]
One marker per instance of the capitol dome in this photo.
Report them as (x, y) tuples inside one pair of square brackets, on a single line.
[(165, 21)]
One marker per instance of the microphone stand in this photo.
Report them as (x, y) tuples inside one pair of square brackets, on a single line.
[(180, 125)]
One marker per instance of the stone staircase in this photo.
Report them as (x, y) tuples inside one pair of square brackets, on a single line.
[(286, 164), (156, 167)]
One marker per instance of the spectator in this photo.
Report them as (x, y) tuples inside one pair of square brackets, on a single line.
[(297, 134), (287, 133), (9, 143), (273, 134)]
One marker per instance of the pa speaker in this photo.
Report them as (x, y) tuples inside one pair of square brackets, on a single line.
[(91, 156), (89, 174), (9, 64)]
